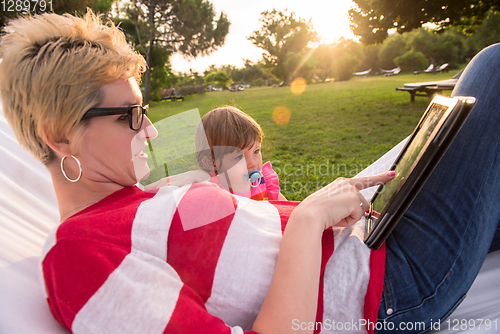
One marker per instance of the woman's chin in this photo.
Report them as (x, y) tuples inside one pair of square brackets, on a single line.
[(141, 170)]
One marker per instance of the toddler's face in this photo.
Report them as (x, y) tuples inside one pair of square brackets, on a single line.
[(236, 165)]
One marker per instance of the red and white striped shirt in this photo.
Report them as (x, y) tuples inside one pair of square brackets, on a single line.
[(194, 259)]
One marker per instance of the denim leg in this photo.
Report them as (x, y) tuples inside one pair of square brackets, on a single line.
[(495, 245), (437, 249)]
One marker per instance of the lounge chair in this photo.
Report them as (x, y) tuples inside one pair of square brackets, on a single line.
[(427, 70), (173, 96), (363, 73), (394, 71), (28, 212), (430, 88), (442, 68)]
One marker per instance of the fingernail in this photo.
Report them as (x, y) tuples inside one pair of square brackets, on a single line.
[(391, 173)]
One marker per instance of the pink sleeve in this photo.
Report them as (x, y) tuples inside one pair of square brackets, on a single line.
[(272, 181)]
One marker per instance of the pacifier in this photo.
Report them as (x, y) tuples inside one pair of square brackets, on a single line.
[(254, 178)]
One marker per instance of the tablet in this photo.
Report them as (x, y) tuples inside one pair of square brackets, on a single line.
[(429, 141)]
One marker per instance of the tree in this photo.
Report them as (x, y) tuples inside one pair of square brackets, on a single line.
[(219, 78), (391, 48), (189, 27), (347, 55), (281, 34), (488, 32), (326, 58), (411, 61), (161, 72), (370, 58), (438, 48), (372, 19)]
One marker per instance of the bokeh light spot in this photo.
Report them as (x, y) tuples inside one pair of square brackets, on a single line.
[(298, 86), (281, 115)]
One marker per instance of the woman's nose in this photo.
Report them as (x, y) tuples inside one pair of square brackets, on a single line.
[(150, 131)]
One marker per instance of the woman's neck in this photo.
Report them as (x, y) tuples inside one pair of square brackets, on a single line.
[(75, 197)]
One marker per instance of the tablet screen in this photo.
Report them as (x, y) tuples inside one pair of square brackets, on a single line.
[(407, 160), (427, 144)]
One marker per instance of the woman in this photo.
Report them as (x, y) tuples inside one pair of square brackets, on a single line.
[(196, 259)]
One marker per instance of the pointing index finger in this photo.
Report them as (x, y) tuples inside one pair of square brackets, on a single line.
[(372, 180)]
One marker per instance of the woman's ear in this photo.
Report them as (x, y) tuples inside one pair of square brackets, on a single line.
[(60, 147)]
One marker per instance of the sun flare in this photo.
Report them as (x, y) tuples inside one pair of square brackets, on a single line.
[(330, 20)]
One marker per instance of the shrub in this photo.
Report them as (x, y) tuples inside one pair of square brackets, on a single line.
[(189, 90), (411, 61), (258, 82)]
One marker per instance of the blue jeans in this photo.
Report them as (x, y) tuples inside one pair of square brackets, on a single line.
[(437, 249)]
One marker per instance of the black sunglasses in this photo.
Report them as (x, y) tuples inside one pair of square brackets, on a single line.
[(135, 114)]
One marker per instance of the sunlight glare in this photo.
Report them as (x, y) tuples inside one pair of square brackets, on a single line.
[(281, 115), (298, 86), (330, 19)]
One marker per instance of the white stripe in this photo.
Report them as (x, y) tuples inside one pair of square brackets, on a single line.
[(133, 299), (152, 222), (246, 263), (141, 294), (345, 282)]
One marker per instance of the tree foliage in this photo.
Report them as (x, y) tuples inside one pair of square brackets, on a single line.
[(370, 58), (188, 26), (347, 57), (439, 48), (280, 35), (337, 60), (325, 57), (161, 72), (488, 32), (411, 61), (391, 48), (219, 79), (372, 19)]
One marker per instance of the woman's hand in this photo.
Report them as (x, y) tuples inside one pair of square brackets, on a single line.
[(340, 203), (179, 180), (293, 293)]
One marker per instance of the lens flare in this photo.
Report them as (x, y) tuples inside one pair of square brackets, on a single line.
[(281, 115), (298, 86)]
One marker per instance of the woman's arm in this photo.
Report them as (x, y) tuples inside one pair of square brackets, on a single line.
[(293, 293)]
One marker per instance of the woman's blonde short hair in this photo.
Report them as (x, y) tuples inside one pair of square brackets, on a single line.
[(225, 129), (52, 68)]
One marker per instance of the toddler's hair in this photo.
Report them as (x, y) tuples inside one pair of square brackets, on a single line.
[(225, 129)]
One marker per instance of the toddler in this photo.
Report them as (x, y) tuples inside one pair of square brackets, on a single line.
[(228, 146)]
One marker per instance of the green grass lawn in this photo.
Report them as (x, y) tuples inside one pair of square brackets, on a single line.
[(335, 129)]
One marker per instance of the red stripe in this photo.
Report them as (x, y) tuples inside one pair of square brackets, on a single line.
[(375, 287), (285, 209), (327, 243), (191, 316), (194, 253), (89, 247)]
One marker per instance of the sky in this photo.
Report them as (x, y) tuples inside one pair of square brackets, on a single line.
[(329, 18)]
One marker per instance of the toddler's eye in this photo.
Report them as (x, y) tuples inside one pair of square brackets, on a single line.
[(239, 157), (257, 151)]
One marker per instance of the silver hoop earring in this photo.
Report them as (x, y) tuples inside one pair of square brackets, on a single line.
[(64, 173)]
